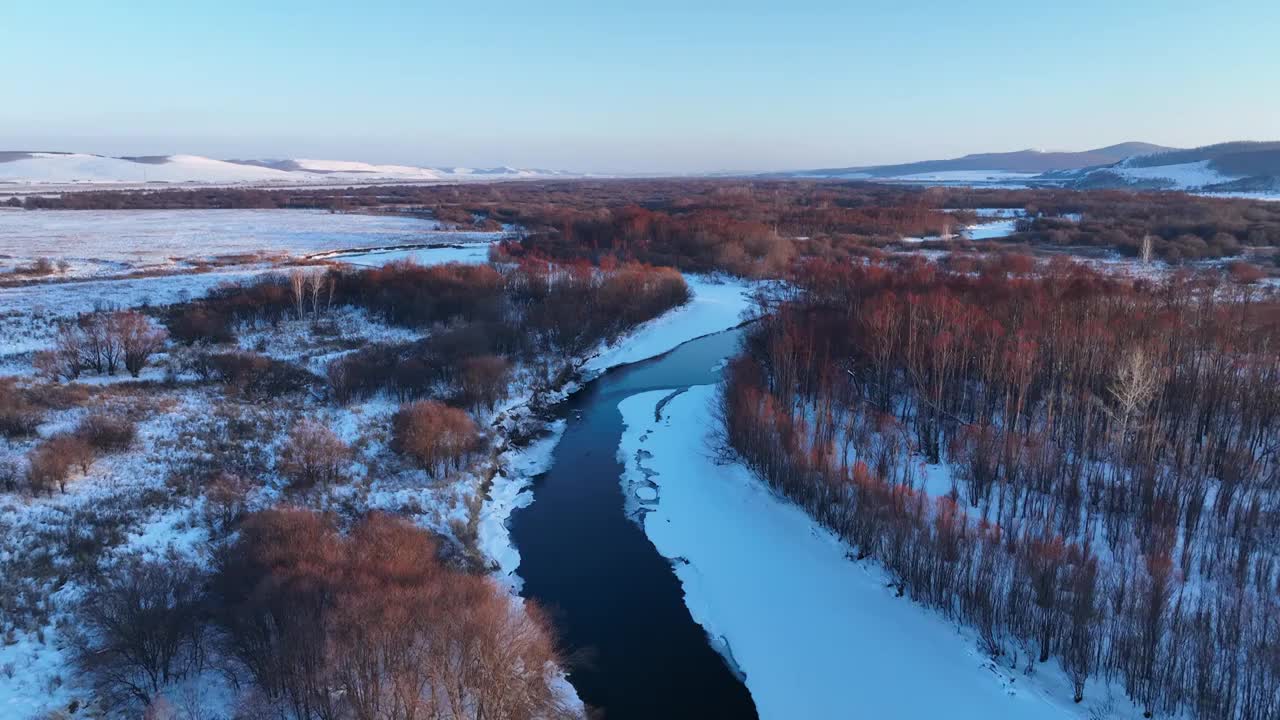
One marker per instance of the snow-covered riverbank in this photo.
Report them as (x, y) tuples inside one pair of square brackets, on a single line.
[(717, 304), (814, 633)]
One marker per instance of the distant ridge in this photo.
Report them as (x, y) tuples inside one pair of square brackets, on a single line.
[(1230, 167), (1032, 162), (1223, 167)]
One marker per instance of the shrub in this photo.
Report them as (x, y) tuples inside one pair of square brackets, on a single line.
[(17, 417), (107, 433), (317, 618), (257, 375), (312, 455), (47, 467), (1245, 273), (225, 501), (197, 323), (484, 381), (52, 461), (10, 474), (438, 437)]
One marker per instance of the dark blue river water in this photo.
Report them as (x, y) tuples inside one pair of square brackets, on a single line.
[(618, 606)]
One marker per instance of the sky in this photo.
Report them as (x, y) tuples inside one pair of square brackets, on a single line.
[(643, 87)]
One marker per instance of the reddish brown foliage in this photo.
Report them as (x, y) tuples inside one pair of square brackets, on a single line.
[(434, 435), (371, 625)]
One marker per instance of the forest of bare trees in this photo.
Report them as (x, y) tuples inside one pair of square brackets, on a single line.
[(1113, 496)]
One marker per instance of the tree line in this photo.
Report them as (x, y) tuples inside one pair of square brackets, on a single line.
[(754, 226)]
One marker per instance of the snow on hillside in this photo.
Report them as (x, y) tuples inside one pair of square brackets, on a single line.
[(343, 166), (814, 633), (47, 168), (83, 168), (1181, 176)]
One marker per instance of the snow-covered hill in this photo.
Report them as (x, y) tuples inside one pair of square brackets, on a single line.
[(58, 168), (987, 167), (1234, 167), (1226, 167)]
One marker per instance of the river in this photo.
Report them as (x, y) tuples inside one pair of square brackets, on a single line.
[(635, 651)]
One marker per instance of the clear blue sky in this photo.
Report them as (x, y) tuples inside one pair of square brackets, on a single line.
[(633, 86)]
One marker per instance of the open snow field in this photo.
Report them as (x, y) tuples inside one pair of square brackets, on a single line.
[(133, 258), (116, 242), (815, 634)]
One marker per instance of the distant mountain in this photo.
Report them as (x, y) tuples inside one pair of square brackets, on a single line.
[(1225, 167), (1007, 165), (63, 168)]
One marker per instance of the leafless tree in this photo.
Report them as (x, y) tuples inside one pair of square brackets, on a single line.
[(137, 338), (143, 626)]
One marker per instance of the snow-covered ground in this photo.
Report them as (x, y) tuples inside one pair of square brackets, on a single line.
[(115, 242), (991, 230), (470, 253), (1181, 176), (29, 314), (717, 304), (814, 633), (509, 492)]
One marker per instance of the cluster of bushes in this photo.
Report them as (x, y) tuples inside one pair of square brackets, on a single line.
[(316, 623), (249, 374), (42, 266), (437, 437), (480, 320), (269, 299), (51, 463), (102, 343), (420, 296)]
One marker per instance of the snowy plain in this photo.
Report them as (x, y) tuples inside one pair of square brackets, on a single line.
[(116, 242), (815, 634)]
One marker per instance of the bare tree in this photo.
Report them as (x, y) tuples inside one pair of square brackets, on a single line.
[(298, 284), (137, 339), (143, 626), (1135, 383)]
